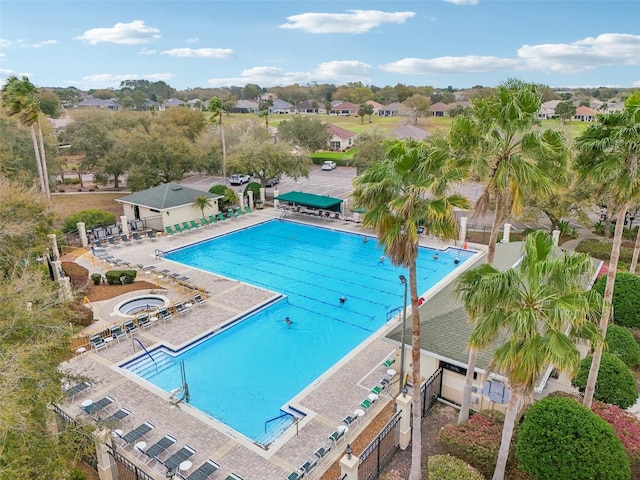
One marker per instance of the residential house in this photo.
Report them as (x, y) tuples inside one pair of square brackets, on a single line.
[(395, 109), (376, 106), (345, 109), (98, 103), (409, 131), (547, 110), (307, 106), (439, 109), (166, 205), (585, 114), (245, 106), (340, 138), (279, 107), (172, 103)]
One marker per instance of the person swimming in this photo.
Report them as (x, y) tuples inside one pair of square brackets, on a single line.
[(342, 300), (381, 261), (288, 322)]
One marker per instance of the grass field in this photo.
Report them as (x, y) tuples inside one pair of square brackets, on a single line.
[(66, 204)]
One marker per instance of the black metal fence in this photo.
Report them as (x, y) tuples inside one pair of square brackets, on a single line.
[(84, 441), (127, 470), (431, 390), (380, 451)]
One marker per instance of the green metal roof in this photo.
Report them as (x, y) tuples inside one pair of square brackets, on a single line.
[(166, 196), (309, 200)]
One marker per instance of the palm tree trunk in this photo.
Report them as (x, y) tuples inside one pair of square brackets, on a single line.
[(507, 434), (495, 227), (38, 162), (416, 419), (463, 416), (606, 308), (43, 159), (636, 251)]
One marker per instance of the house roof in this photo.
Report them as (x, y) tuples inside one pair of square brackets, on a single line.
[(248, 104), (173, 102), (373, 103), (90, 101), (409, 131), (582, 110), (346, 106), (440, 107), (166, 196), (395, 107), (340, 132), (310, 199)]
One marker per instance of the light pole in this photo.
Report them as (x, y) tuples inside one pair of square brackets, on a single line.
[(403, 280)]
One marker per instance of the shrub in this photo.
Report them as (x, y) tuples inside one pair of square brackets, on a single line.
[(627, 429), (621, 343), (626, 298), (615, 384), (96, 278), (477, 441), (255, 188), (446, 467), (118, 277), (228, 195), (561, 439), (91, 219)]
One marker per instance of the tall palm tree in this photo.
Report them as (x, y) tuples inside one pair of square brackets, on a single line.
[(19, 98), (202, 202), (608, 154), (404, 191), (216, 108), (540, 306), (498, 140)]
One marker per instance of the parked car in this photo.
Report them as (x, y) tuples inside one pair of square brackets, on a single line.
[(239, 179), (270, 182), (328, 165)]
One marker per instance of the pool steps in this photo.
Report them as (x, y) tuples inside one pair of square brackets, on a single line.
[(144, 367)]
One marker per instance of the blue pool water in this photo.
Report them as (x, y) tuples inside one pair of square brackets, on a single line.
[(244, 375)]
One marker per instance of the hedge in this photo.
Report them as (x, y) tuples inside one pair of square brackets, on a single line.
[(626, 298), (91, 219), (560, 439), (446, 467), (621, 343), (615, 384), (114, 277)]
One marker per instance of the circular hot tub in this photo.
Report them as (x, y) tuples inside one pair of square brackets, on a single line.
[(142, 303)]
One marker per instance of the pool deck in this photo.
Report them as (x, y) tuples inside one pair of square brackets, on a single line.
[(336, 394)]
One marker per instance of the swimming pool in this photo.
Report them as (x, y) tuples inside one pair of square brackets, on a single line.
[(246, 374)]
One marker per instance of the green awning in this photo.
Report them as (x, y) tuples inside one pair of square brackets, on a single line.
[(310, 200)]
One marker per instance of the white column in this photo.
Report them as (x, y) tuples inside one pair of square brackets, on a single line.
[(56, 266), (276, 203), (463, 230), (54, 246), (507, 233), (251, 204), (125, 225), (262, 196), (65, 293), (403, 403), (241, 199), (82, 231), (107, 468), (349, 467), (556, 237)]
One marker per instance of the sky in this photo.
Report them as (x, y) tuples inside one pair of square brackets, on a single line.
[(215, 43)]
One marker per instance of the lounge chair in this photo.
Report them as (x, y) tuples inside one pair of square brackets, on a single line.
[(172, 463), (232, 476), (76, 389), (195, 225), (143, 321), (322, 452), (388, 362), (296, 475), (97, 342), (151, 235), (205, 471), (350, 419), (181, 309), (157, 448), (117, 416), (136, 236), (112, 242), (212, 220), (117, 332), (165, 314), (377, 389), (199, 299), (93, 407), (339, 433), (186, 227), (239, 212), (370, 400), (170, 231), (124, 239), (136, 434), (247, 209), (308, 465), (204, 222), (179, 229), (98, 244), (221, 217), (231, 213), (130, 327)]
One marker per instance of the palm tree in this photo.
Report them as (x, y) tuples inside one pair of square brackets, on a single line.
[(539, 306), (19, 98), (202, 202), (499, 143), (216, 108), (404, 191), (608, 154)]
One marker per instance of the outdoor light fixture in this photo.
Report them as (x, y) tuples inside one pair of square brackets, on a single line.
[(404, 282), (348, 451)]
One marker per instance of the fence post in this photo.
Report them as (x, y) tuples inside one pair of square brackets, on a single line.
[(276, 202), (54, 246), (403, 404), (124, 225), (463, 230), (82, 231), (349, 466), (251, 202), (556, 237), (107, 468), (507, 233)]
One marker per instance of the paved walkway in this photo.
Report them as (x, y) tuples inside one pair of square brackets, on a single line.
[(326, 402)]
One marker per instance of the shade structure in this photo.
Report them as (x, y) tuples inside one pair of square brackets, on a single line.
[(311, 200)]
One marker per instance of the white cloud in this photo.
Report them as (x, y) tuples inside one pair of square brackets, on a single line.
[(586, 54), (463, 2), (355, 21), (45, 43), (200, 52), (4, 42), (134, 33), (193, 40), (106, 80), (332, 72), (147, 51), (451, 65)]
